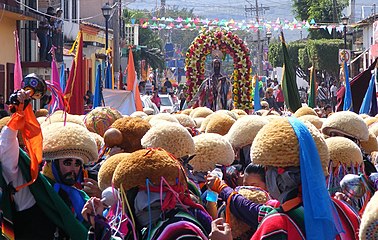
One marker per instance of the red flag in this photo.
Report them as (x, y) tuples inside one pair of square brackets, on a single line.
[(132, 84), (120, 79), (74, 92), (17, 64)]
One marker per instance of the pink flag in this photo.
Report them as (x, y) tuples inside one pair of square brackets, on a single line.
[(57, 101), (17, 64), (54, 72)]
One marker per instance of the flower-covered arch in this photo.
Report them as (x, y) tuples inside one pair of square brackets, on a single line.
[(229, 43)]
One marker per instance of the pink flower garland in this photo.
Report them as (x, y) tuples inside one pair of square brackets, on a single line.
[(228, 43)]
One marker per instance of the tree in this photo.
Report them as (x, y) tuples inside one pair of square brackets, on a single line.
[(322, 52), (324, 11), (325, 54), (150, 45), (276, 58)]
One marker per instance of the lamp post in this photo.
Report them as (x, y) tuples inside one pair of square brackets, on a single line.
[(106, 12), (344, 21), (268, 36)]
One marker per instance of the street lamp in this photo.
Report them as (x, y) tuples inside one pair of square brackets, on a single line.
[(344, 21), (106, 12), (268, 36)]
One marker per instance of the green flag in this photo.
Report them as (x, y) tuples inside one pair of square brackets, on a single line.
[(312, 94), (289, 81)]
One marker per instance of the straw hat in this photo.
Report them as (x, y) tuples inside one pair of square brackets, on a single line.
[(302, 111), (105, 174), (200, 112), (100, 119), (68, 141), (139, 114), (152, 164), (244, 130), (343, 150), (204, 122), (99, 140), (166, 117), (374, 129), (219, 123), (185, 120), (187, 111), (239, 112), (199, 122), (255, 195), (41, 113), (370, 145), (211, 149), (369, 221), (41, 120), (313, 119), (347, 123), (229, 113), (271, 117), (4, 121), (370, 121), (60, 116), (172, 137), (264, 105), (148, 111), (364, 116), (126, 133), (262, 112), (276, 145)]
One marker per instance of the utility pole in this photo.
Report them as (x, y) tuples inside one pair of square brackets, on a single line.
[(256, 10), (116, 36), (162, 10)]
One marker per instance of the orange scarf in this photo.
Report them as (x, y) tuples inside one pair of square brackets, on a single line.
[(26, 122)]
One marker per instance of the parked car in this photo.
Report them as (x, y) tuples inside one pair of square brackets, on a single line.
[(146, 102), (166, 104)]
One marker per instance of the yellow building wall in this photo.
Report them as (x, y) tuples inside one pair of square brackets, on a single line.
[(7, 49)]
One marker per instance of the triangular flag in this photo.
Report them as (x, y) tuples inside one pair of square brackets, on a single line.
[(289, 81), (97, 94), (312, 94), (74, 92), (17, 75), (367, 103), (132, 83)]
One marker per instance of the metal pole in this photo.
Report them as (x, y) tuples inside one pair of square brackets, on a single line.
[(116, 39), (106, 34), (345, 40)]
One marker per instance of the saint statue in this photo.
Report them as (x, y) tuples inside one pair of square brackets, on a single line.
[(214, 91)]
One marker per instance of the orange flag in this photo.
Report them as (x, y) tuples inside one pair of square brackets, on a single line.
[(27, 124), (132, 83)]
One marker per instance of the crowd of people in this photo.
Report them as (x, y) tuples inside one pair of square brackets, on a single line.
[(194, 174)]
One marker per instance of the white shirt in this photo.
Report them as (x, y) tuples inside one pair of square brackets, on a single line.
[(333, 91), (9, 154)]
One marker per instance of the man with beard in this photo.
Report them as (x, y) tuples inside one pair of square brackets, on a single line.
[(66, 148), (37, 210)]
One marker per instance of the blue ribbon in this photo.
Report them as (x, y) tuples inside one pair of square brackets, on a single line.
[(320, 215), (348, 104), (256, 97), (76, 198)]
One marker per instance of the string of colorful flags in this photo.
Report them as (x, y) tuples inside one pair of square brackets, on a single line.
[(231, 24)]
